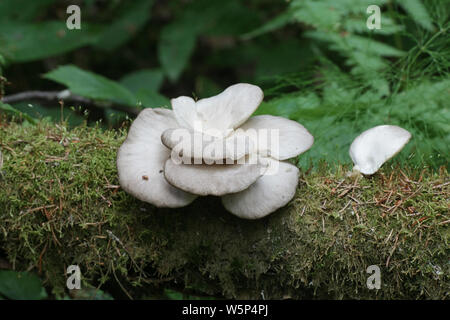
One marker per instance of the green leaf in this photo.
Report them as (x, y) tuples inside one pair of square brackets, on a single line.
[(352, 42), (133, 18), (327, 15), (418, 12), (9, 109), (148, 79), (21, 10), (293, 107), (38, 111), (320, 15), (27, 42), (91, 85), (207, 17), (358, 25), (175, 47), (145, 85), (21, 286), (150, 99), (369, 45), (222, 18), (273, 24), (205, 87), (173, 295)]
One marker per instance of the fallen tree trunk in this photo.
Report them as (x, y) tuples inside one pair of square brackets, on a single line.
[(60, 205)]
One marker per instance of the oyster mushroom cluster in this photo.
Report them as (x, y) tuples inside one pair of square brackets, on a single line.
[(213, 147)]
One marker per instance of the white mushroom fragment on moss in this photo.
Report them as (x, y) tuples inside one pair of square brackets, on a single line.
[(213, 147), (372, 148)]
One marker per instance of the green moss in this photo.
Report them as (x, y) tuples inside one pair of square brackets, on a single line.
[(60, 204)]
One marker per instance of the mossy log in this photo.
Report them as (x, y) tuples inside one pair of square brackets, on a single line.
[(60, 205)]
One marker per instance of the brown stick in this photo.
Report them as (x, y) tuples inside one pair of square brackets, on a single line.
[(56, 96)]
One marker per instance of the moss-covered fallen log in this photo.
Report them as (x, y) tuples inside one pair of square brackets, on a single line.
[(60, 205)]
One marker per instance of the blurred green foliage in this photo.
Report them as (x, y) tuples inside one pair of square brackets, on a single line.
[(317, 62), (21, 286)]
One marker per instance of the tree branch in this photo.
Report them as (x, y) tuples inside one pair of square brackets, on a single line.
[(66, 96)]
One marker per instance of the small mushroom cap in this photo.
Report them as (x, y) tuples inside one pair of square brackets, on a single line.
[(141, 158), (214, 179), (188, 144), (293, 138), (375, 146), (223, 112), (267, 194)]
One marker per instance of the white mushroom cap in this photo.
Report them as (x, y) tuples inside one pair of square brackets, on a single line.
[(293, 139), (188, 144), (215, 179), (222, 113), (267, 194), (375, 146), (141, 158)]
